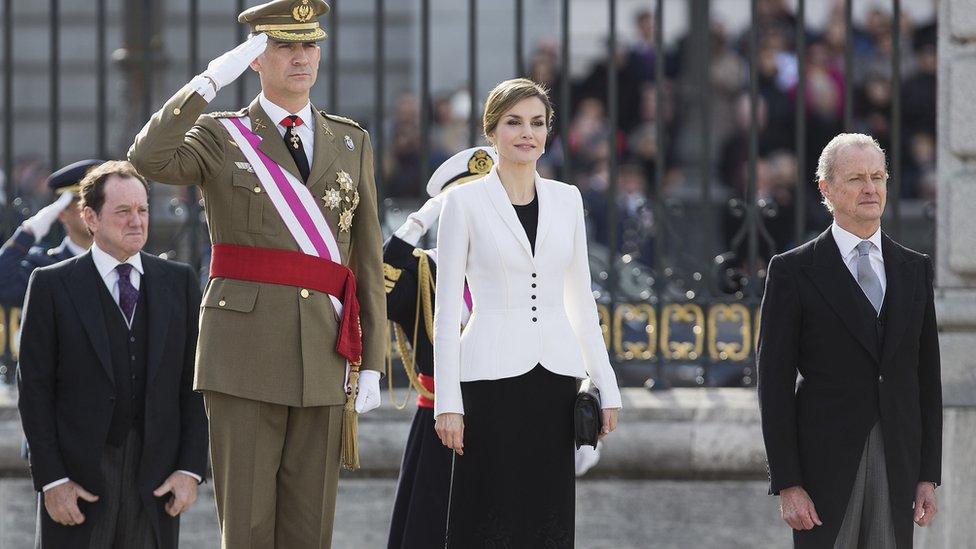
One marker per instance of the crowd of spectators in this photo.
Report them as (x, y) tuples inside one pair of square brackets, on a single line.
[(777, 180)]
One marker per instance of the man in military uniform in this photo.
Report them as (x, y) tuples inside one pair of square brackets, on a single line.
[(420, 508), (295, 299), (21, 254)]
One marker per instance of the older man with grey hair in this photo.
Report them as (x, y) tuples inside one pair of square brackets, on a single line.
[(855, 445)]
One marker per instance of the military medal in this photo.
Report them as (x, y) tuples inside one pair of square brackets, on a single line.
[(332, 198), (345, 220), (349, 144), (293, 138), (344, 180)]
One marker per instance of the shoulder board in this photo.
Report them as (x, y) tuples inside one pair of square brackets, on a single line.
[(341, 119), (228, 114)]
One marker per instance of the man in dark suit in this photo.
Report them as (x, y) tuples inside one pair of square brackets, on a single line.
[(118, 438), (854, 448), (20, 255)]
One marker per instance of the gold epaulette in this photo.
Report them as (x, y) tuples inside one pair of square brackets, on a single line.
[(228, 114), (341, 119)]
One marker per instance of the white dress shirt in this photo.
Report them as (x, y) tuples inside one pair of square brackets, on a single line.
[(847, 244), (105, 265), (306, 131)]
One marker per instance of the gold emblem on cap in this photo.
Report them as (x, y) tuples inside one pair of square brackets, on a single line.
[(302, 11), (480, 162), (332, 198), (345, 220)]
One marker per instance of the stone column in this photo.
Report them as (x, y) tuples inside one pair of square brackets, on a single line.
[(956, 275)]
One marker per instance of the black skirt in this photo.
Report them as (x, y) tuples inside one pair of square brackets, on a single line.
[(515, 485), (420, 509)]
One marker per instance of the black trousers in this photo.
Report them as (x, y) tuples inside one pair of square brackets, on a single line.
[(123, 522), (515, 485)]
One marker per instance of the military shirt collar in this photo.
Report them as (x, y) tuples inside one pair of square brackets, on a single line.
[(277, 114)]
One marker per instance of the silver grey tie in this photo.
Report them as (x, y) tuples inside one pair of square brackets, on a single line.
[(867, 279)]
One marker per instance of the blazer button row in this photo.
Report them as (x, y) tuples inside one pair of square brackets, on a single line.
[(534, 319)]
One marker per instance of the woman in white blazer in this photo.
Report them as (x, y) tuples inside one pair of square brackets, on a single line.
[(505, 388)]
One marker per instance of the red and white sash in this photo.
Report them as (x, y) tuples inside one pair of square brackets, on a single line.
[(291, 198)]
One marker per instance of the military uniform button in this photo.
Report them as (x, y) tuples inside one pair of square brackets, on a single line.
[(257, 189), (304, 293), (177, 111), (221, 303)]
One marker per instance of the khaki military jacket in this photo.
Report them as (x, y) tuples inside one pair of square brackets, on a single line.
[(259, 341)]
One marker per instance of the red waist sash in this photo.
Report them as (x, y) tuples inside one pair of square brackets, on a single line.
[(291, 268), (427, 382)]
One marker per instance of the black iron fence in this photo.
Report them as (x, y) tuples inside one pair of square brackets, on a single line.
[(680, 238)]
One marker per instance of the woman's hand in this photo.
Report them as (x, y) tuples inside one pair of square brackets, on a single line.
[(609, 421), (450, 429)]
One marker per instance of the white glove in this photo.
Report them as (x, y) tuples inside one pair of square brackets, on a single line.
[(369, 391), (40, 223), (229, 66), (420, 221)]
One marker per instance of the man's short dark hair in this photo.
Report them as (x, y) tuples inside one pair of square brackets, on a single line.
[(92, 191)]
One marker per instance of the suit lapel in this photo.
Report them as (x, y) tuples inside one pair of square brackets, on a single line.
[(900, 286), (83, 290), (159, 304), (499, 200), (324, 155), (271, 142), (833, 281)]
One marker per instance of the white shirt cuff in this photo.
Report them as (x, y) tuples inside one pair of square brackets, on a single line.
[(411, 231), (202, 85), (195, 476), (56, 483)]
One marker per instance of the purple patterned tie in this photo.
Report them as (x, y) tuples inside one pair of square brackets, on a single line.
[(128, 294)]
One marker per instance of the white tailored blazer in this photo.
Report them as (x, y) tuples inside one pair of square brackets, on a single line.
[(527, 309)]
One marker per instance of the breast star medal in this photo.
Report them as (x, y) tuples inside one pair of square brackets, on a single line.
[(344, 180), (346, 194), (332, 198)]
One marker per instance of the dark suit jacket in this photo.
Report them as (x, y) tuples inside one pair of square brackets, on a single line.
[(815, 430), (67, 390)]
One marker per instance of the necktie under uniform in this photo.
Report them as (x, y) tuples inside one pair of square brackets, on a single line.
[(128, 294), (294, 144), (867, 279)]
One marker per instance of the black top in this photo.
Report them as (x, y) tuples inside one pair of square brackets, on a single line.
[(528, 214)]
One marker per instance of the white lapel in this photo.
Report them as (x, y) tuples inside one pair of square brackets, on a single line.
[(499, 200), (544, 192)]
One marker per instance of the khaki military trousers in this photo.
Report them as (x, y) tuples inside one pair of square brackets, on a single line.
[(276, 472)]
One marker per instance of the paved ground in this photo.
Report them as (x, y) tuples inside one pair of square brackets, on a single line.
[(615, 514)]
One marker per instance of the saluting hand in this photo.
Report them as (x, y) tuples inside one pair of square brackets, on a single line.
[(450, 429), (226, 68), (61, 503)]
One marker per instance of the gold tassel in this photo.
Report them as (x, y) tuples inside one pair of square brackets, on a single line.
[(350, 423)]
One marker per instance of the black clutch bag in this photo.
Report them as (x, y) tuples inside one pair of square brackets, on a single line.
[(587, 420)]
